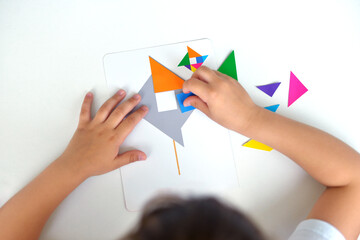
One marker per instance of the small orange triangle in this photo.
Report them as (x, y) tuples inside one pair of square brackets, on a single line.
[(192, 53), (164, 79)]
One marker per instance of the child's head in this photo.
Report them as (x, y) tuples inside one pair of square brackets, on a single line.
[(194, 219)]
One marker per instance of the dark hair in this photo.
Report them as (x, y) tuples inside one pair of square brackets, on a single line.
[(173, 218)]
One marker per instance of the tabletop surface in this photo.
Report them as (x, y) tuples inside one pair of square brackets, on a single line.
[(51, 54)]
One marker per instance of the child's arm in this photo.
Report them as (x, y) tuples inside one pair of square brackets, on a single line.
[(327, 159), (93, 150)]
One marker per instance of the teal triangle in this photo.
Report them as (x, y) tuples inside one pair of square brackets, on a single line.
[(272, 108), (204, 58), (185, 60), (228, 67)]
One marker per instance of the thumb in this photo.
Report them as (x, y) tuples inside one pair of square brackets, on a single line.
[(197, 103), (129, 157)]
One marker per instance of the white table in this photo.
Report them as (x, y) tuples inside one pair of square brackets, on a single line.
[(51, 55)]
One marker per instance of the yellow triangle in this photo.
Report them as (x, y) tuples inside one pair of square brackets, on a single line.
[(257, 145), (193, 69)]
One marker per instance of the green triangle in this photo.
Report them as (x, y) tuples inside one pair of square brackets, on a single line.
[(228, 67), (185, 60)]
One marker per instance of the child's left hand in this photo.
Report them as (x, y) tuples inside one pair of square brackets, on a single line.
[(93, 150)]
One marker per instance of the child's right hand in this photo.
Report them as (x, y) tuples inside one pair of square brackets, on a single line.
[(221, 98)]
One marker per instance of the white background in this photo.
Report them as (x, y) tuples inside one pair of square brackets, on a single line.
[(51, 54)]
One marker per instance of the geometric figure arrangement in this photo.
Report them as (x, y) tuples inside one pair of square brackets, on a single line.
[(269, 89), (181, 97), (162, 111), (166, 101), (228, 67), (192, 60), (296, 89), (164, 79), (257, 145), (272, 108), (169, 122)]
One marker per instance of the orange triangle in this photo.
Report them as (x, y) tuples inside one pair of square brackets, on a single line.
[(164, 79), (192, 53)]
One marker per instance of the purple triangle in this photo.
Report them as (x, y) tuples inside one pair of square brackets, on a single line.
[(188, 66), (269, 89)]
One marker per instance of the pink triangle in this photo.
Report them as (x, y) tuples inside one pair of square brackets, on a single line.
[(296, 89), (196, 65)]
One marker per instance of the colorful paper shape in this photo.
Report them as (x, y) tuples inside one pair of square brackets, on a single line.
[(193, 68), (273, 108), (185, 61), (169, 122), (269, 89), (181, 98), (192, 53), (228, 67), (296, 89), (164, 79), (197, 65), (166, 101), (257, 145)]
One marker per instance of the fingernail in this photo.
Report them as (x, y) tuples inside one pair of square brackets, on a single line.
[(136, 96), (186, 104), (144, 108), (121, 92), (141, 157), (89, 94)]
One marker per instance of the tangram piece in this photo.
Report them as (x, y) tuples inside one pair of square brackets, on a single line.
[(228, 67), (164, 80), (166, 101), (269, 89), (192, 53), (199, 59), (185, 61), (169, 122), (181, 97), (296, 89), (273, 108), (193, 68), (257, 145), (204, 58), (197, 65), (188, 66)]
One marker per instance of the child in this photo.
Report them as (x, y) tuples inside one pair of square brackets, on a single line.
[(93, 150)]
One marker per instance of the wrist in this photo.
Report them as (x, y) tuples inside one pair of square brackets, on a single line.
[(70, 169), (252, 122)]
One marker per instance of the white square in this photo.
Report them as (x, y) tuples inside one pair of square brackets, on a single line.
[(166, 101), (193, 60)]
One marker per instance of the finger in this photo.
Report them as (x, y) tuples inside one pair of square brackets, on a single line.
[(197, 103), (85, 113), (205, 74), (122, 110), (126, 126), (109, 105), (198, 87), (129, 157)]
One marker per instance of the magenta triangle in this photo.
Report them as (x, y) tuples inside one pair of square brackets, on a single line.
[(296, 89), (269, 89)]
